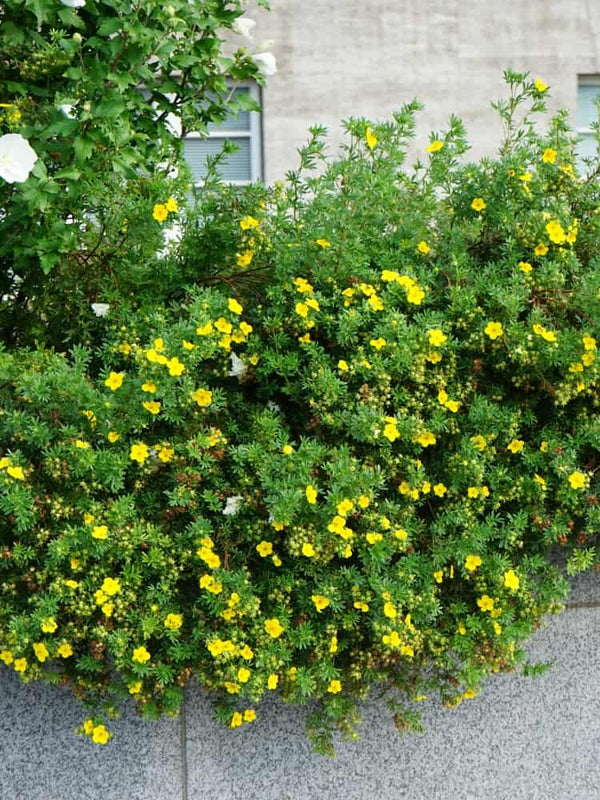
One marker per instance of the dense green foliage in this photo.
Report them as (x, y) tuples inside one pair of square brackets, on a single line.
[(336, 449), (100, 92)]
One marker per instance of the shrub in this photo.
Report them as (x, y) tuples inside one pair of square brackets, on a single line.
[(347, 473), (101, 91)]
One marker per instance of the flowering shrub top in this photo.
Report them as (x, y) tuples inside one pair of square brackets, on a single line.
[(347, 475)]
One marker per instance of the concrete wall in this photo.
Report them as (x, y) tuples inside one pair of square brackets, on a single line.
[(340, 58), (520, 739)]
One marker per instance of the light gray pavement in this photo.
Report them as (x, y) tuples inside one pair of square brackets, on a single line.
[(521, 739), (41, 758)]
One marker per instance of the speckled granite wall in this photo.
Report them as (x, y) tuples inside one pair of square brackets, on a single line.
[(521, 739)]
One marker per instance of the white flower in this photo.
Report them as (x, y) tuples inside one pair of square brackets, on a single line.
[(67, 110), (100, 309), (238, 368), (243, 26), (73, 3), (265, 63), (232, 505), (17, 158)]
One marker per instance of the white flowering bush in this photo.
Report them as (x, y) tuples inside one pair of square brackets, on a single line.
[(94, 98), (334, 454)]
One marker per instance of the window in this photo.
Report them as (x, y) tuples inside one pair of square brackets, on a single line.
[(244, 130), (587, 91)]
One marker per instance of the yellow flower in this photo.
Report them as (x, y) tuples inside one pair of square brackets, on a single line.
[(236, 720), (589, 343), (436, 337), (173, 621), (485, 603), (209, 558), (478, 204), (100, 735), (249, 222), (378, 343), (135, 688), (390, 431), (373, 538), (426, 439), (323, 243), (389, 609), (587, 359), (540, 85), (364, 607), (541, 249), (311, 495), (203, 397), (423, 248), (434, 146), (107, 609), (334, 687), (555, 232), (247, 652), (442, 397), (438, 576), (401, 534), (166, 454), (204, 330), (234, 306), (308, 550), (273, 627), (152, 406), (65, 651), (243, 675), (113, 437), (272, 681), (371, 139), (160, 212), (363, 501), (171, 205), (516, 446), (249, 715), (320, 601), (577, 480), (439, 489), (511, 580), (245, 258), (434, 358), (100, 532), (20, 664), (81, 445), (376, 303), (264, 548), (344, 507), (149, 387), (139, 453), (392, 639), (472, 562), (525, 266), (494, 330), (111, 586), (41, 651), (141, 655), (175, 366), (114, 380), (49, 625), (453, 406), (7, 657), (549, 156), (415, 295), (473, 491)]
